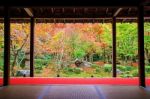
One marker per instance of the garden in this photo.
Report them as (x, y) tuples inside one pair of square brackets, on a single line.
[(75, 50)]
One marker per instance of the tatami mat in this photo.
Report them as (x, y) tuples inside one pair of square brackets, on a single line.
[(74, 92)]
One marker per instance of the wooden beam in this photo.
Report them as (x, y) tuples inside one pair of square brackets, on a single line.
[(29, 12), (146, 2), (146, 18), (74, 10), (128, 13), (117, 12), (69, 20), (141, 46), (6, 47), (96, 9), (103, 21), (107, 10), (85, 10), (129, 10), (123, 20), (52, 10), (63, 10), (32, 23), (114, 46), (72, 3)]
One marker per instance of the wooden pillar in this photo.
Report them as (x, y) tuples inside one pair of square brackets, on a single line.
[(6, 47), (32, 47), (114, 46), (141, 46)]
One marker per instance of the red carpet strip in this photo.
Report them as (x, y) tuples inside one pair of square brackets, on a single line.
[(38, 81)]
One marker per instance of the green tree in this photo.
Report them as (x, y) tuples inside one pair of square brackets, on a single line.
[(127, 41), (147, 43)]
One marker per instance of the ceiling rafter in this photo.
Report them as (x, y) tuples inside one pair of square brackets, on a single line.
[(63, 10), (74, 10), (107, 10), (52, 10), (29, 12), (117, 12), (129, 10)]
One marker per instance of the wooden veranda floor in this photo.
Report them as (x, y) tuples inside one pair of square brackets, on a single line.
[(74, 92)]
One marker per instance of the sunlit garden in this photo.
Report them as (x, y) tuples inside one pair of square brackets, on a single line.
[(75, 50)]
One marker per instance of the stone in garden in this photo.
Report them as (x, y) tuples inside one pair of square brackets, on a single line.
[(119, 71), (80, 63), (23, 73), (86, 64)]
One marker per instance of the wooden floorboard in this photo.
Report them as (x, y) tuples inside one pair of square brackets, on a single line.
[(74, 92)]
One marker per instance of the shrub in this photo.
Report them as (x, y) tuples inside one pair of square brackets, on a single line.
[(47, 56), (1, 67), (127, 72), (38, 67), (65, 69), (1, 64), (129, 68), (38, 61), (107, 67), (68, 70), (77, 70), (38, 71), (1, 73), (122, 68), (95, 66), (147, 69), (97, 70), (41, 62), (135, 73), (126, 75)]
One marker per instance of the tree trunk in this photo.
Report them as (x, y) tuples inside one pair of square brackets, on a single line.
[(147, 56), (91, 58), (16, 52), (104, 56), (13, 64)]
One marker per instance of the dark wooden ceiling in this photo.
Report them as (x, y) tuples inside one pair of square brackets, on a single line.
[(126, 12), (69, 3)]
